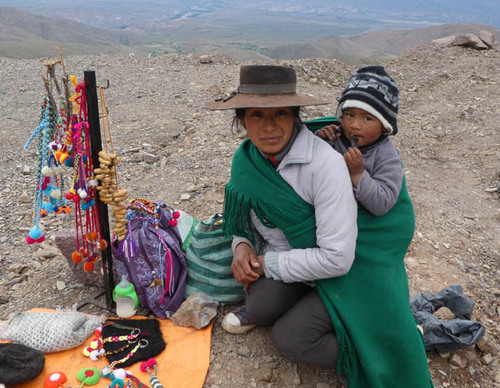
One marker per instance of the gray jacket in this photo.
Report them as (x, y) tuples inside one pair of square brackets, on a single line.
[(318, 174), (379, 185)]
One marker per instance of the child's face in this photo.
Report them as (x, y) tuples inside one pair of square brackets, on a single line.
[(362, 125)]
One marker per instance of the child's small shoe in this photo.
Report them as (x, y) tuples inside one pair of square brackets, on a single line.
[(238, 321)]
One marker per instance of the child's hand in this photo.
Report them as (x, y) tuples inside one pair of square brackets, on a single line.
[(354, 160), (328, 133)]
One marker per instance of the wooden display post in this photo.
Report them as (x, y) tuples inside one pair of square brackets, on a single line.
[(102, 208)]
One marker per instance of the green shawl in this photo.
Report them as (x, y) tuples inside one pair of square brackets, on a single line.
[(379, 343), (256, 184)]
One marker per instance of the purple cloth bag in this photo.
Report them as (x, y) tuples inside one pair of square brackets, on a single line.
[(151, 257)]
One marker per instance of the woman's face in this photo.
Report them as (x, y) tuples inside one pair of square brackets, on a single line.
[(269, 129)]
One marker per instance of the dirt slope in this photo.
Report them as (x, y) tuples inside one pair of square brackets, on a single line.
[(449, 140)]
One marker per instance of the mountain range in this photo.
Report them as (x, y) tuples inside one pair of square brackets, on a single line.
[(278, 35)]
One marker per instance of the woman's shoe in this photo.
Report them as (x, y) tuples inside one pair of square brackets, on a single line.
[(238, 321)]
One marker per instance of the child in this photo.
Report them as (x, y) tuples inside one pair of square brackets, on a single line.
[(367, 111)]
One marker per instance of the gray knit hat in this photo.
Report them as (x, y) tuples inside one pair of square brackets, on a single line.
[(19, 363), (374, 91)]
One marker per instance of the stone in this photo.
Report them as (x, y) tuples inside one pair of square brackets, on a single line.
[(185, 197), (322, 385), (457, 361), (487, 359), (25, 198), (148, 158), (26, 170), (47, 251), (470, 40), (65, 241), (197, 311), (497, 377), (487, 37), (244, 351), (446, 41), (263, 373), (205, 59)]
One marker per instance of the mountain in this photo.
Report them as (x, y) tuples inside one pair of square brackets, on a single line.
[(378, 45), (25, 35), (147, 13)]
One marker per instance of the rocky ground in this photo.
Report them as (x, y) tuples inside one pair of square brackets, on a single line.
[(176, 151)]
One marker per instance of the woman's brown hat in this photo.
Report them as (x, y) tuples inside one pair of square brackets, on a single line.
[(265, 86)]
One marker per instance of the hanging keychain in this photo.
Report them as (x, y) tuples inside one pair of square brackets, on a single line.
[(151, 367)]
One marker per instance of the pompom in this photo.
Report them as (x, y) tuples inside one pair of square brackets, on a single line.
[(47, 171), (172, 222), (83, 194), (120, 374), (35, 233), (94, 355), (103, 244), (69, 195), (176, 214), (63, 158), (88, 266), (48, 207), (56, 193), (77, 257), (55, 380)]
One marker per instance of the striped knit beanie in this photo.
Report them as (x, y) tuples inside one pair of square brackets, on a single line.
[(374, 91)]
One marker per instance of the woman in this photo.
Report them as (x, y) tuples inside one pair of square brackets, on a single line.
[(290, 208)]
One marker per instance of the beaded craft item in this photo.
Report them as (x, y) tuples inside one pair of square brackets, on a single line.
[(82, 191), (48, 198)]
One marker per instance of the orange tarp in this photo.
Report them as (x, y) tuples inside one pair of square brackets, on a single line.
[(183, 364)]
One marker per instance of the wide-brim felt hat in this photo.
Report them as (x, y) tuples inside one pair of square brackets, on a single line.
[(265, 86)]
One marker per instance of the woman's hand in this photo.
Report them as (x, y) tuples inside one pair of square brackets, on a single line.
[(328, 133), (354, 160), (247, 267)]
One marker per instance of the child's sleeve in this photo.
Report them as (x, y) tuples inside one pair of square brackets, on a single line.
[(379, 191)]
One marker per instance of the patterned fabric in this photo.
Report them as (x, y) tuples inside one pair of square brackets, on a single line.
[(208, 258), (51, 332)]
